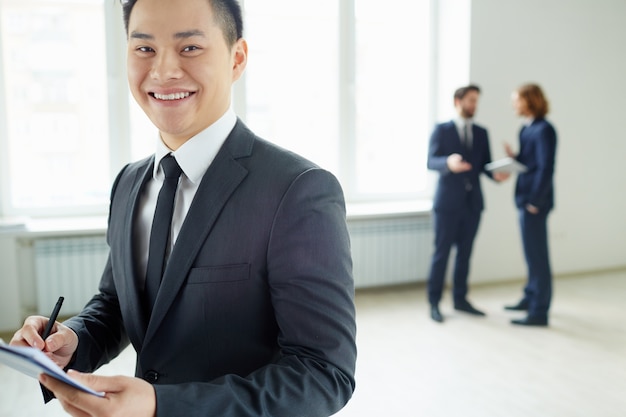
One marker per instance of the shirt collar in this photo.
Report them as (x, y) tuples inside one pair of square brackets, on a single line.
[(207, 143), (460, 122)]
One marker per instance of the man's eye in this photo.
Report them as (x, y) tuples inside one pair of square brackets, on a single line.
[(145, 49), (190, 48)]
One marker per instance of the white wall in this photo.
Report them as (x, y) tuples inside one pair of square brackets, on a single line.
[(10, 310), (576, 50)]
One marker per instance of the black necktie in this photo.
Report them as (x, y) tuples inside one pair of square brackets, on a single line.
[(160, 233)]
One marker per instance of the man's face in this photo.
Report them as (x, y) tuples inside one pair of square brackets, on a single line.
[(466, 107), (180, 69)]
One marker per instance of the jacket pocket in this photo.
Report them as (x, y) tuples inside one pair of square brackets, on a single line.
[(216, 274)]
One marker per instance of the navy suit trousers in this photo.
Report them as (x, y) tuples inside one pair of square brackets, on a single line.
[(456, 228), (538, 291)]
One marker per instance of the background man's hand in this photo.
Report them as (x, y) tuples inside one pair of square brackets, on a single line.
[(456, 163), (501, 176)]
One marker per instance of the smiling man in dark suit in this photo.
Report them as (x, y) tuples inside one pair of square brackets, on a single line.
[(459, 151), (250, 312)]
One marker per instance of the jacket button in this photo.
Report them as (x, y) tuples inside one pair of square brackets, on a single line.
[(151, 376)]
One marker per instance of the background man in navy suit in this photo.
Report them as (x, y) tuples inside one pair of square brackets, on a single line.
[(459, 151), (534, 198), (254, 315)]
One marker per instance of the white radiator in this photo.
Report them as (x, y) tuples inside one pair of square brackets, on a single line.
[(385, 251), (70, 267), (389, 251)]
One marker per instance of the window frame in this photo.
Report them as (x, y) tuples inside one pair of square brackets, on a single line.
[(120, 146), (118, 123)]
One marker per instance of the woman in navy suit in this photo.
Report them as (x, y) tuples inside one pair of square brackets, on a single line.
[(534, 198)]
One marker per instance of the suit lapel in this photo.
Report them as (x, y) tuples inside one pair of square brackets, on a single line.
[(456, 135), (218, 184), (132, 310)]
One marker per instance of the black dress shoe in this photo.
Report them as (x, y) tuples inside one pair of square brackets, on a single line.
[(435, 314), (466, 307), (531, 321), (521, 306)]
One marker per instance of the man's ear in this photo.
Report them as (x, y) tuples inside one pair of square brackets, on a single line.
[(240, 58)]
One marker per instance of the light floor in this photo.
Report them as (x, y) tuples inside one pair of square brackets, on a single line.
[(483, 367)]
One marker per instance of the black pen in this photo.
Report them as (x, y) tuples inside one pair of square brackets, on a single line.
[(53, 318), (47, 394)]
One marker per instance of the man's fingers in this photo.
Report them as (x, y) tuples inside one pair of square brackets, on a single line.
[(58, 339), (74, 401), (60, 389), (29, 335), (96, 382)]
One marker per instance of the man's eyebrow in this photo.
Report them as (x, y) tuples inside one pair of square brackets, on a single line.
[(178, 35), (139, 35), (188, 34)]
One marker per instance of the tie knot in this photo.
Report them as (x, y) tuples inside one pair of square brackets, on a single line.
[(171, 167)]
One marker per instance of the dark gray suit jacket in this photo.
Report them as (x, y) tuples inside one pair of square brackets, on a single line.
[(255, 315)]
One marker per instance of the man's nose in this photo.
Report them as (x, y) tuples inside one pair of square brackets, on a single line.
[(166, 66)]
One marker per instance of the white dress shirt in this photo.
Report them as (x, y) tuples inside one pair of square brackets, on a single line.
[(194, 157), (460, 127)]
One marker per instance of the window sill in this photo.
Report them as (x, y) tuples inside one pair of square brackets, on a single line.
[(388, 209), (67, 226), (27, 227)]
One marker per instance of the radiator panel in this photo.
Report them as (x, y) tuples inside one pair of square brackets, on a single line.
[(70, 267), (389, 251)]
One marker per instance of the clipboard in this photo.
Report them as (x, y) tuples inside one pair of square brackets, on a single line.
[(509, 165), (33, 362)]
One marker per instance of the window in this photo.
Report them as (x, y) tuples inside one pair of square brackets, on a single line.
[(346, 84), (55, 105), (292, 83)]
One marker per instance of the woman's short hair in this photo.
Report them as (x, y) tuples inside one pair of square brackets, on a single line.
[(535, 100)]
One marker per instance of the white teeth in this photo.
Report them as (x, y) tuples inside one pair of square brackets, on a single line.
[(173, 96)]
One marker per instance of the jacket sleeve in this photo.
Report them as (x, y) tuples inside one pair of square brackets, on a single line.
[(486, 156), (437, 155), (545, 150), (312, 291)]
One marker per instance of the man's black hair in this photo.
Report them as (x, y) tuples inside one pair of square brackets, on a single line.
[(227, 15)]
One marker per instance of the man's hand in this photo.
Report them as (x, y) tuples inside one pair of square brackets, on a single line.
[(532, 209), (501, 176), (456, 163), (125, 396), (60, 345)]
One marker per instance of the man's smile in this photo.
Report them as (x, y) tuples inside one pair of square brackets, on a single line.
[(172, 96)]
